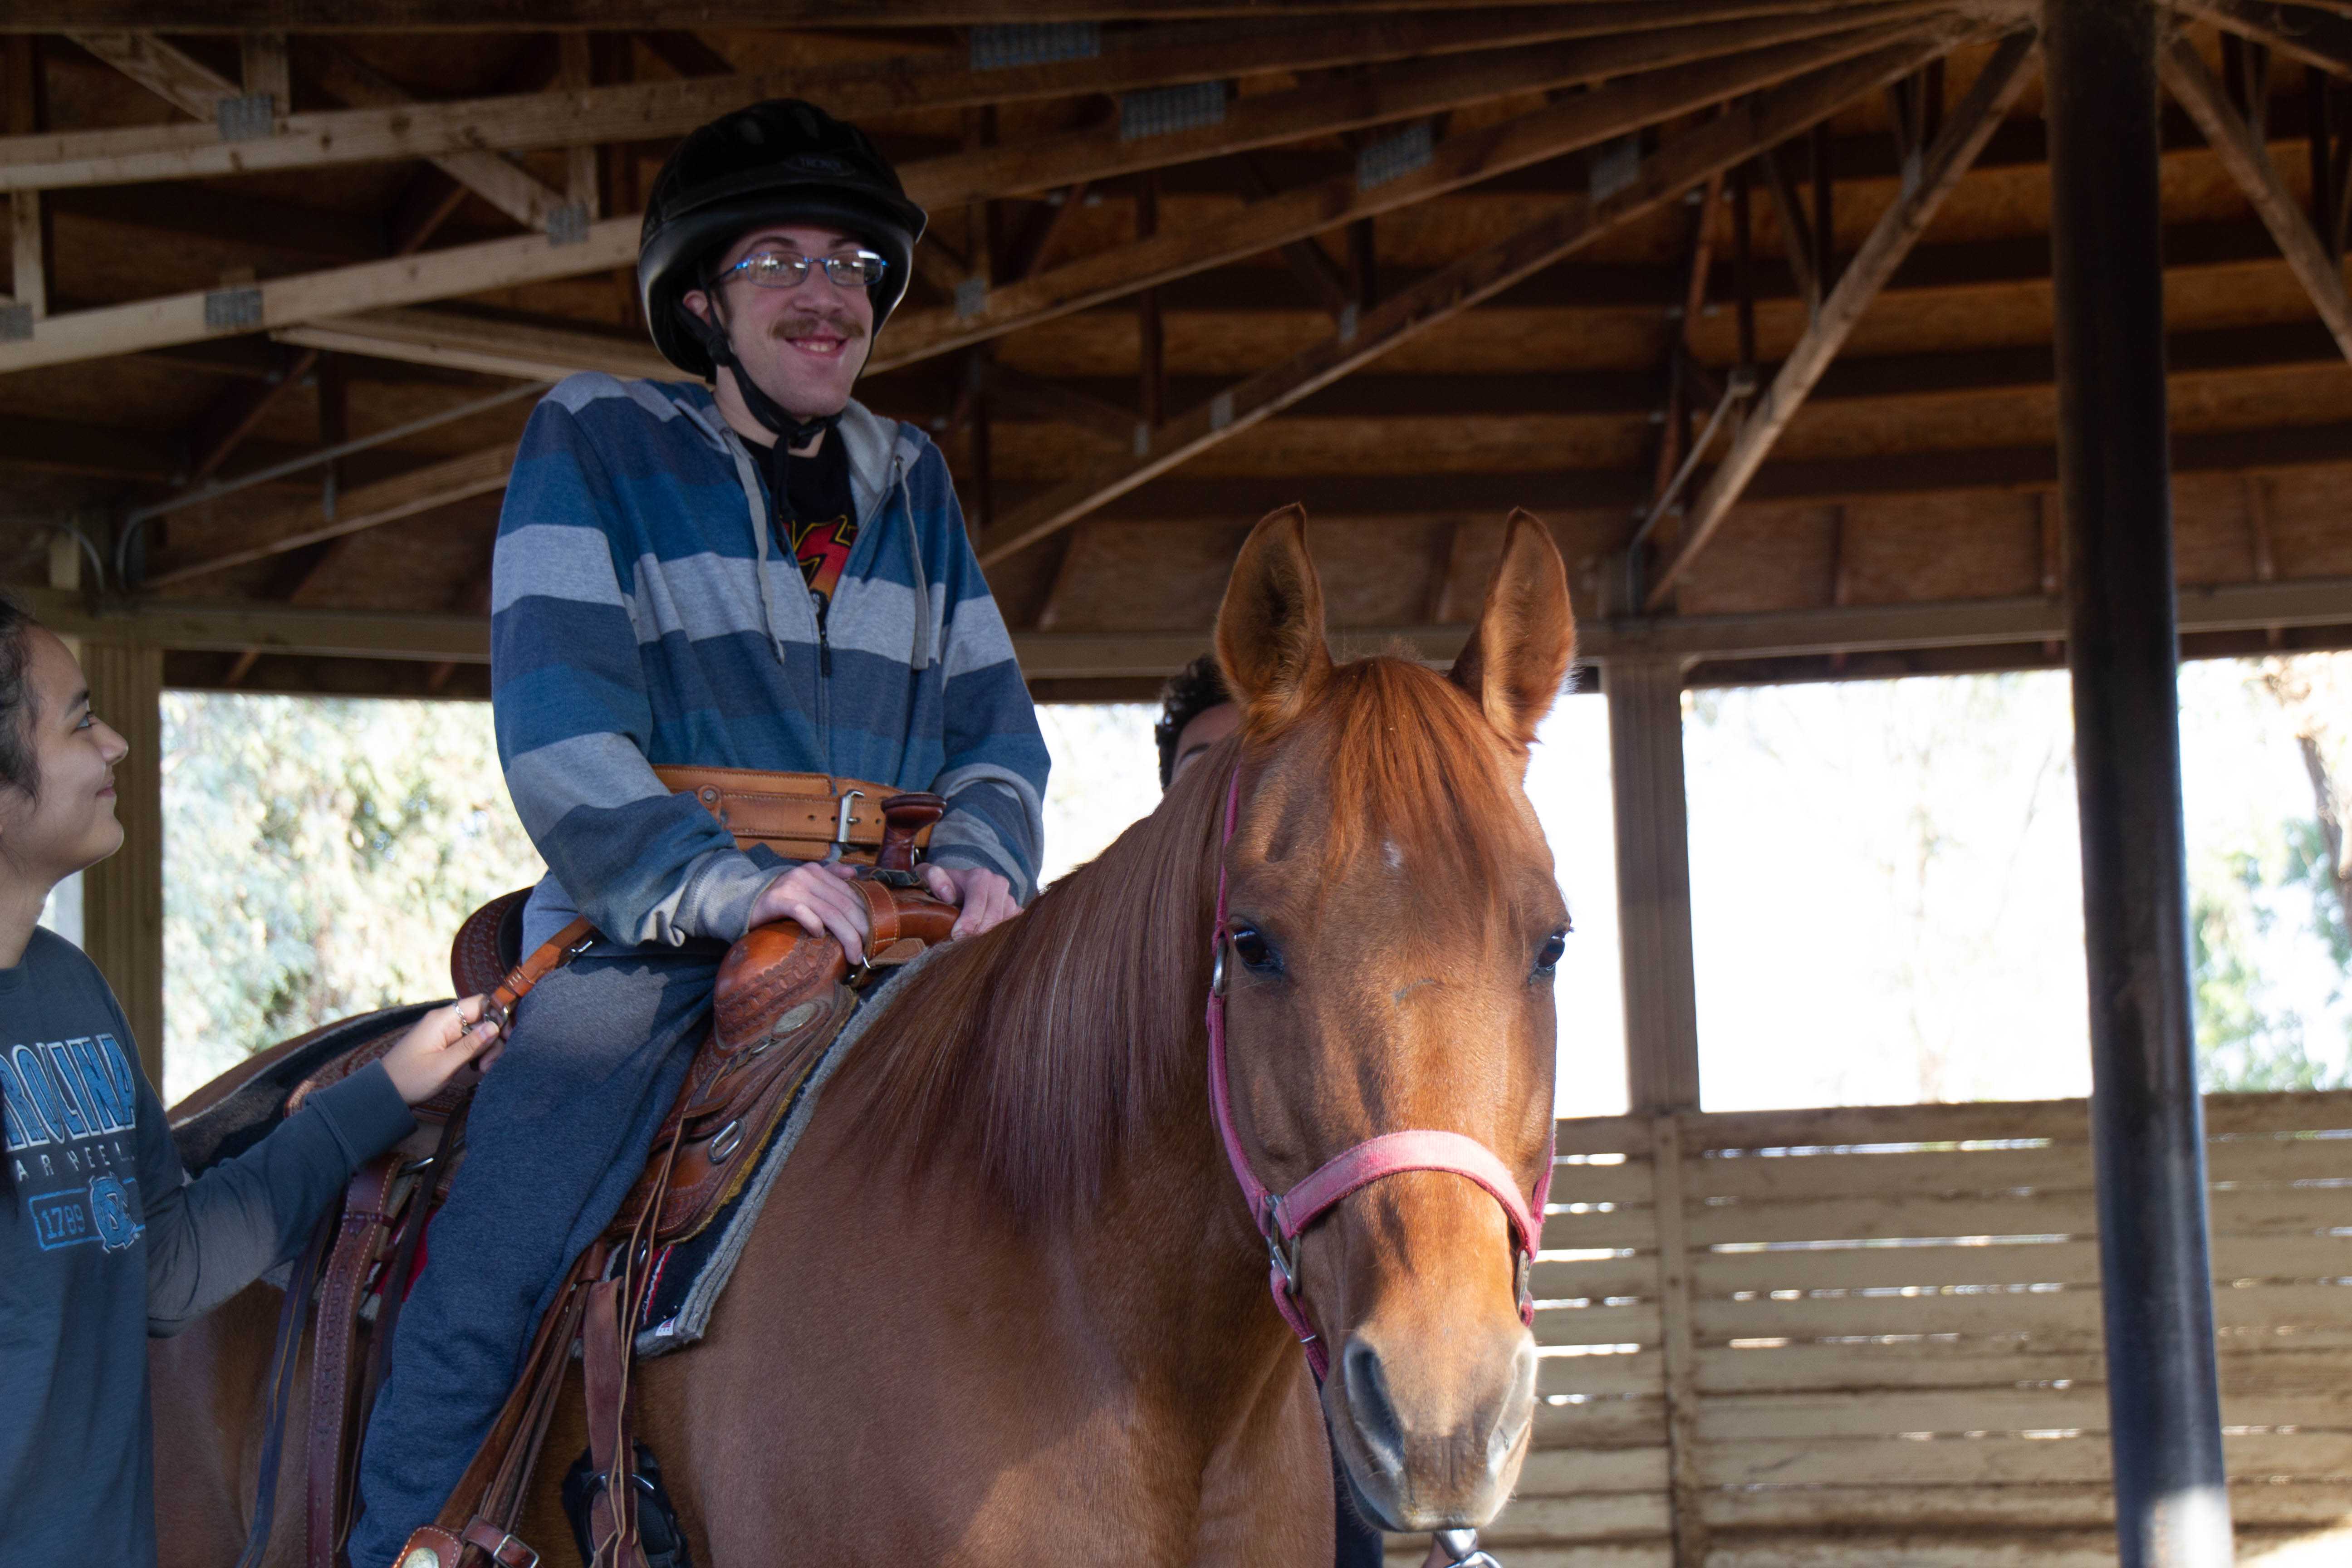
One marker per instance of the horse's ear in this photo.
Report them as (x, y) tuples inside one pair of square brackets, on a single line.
[(1526, 638), (1270, 627)]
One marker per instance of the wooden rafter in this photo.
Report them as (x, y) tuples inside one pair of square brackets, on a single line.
[(376, 129), (2294, 31), (494, 348), (645, 16), (1972, 122), (1583, 120), (369, 506), (230, 627), (1662, 177), (2241, 153), (1379, 95), (319, 296), (194, 87), (1460, 160)]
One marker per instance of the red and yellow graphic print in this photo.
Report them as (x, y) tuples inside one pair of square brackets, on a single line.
[(823, 549)]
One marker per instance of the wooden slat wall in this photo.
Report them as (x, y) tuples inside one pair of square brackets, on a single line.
[(1895, 1318)]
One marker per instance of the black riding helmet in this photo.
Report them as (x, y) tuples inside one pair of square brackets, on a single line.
[(779, 162)]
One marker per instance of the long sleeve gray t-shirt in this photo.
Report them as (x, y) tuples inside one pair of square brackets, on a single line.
[(105, 1240)]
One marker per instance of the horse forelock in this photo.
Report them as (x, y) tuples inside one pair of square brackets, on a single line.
[(1038, 1047)]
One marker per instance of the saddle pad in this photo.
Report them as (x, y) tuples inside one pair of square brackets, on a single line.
[(690, 1276)]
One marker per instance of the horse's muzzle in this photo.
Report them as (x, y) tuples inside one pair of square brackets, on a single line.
[(1430, 1446)]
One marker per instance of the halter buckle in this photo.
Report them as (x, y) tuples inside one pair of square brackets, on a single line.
[(1283, 1254), (1217, 969)]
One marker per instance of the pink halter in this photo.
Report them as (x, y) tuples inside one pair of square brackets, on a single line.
[(1282, 1217)]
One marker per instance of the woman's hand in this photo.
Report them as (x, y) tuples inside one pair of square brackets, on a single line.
[(436, 1046)]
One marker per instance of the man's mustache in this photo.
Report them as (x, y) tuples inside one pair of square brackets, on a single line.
[(842, 327)]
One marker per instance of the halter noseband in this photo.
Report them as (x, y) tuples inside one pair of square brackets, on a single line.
[(1282, 1217)]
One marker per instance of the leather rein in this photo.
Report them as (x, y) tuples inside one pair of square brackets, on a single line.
[(1283, 1217)]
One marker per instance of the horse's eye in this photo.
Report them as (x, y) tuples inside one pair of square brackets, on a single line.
[(1548, 956), (1252, 948)]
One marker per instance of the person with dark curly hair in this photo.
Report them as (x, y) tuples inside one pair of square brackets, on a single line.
[(1195, 714), (105, 1240)]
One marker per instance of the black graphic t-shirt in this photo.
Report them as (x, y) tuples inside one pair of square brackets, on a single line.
[(819, 522), (104, 1240)]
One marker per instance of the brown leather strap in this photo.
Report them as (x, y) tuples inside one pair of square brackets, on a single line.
[(550, 956), (498, 1545), (802, 816), (604, 1378), (881, 914), (333, 1362)]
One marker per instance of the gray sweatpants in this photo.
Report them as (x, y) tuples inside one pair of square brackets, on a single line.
[(559, 1133)]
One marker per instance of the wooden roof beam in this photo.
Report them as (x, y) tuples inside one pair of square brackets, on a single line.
[(1460, 160), (377, 129), (420, 489), (2311, 37), (1972, 121), (230, 626), (2242, 153), (1457, 160), (195, 89), (1382, 95), (649, 16), (1661, 177)]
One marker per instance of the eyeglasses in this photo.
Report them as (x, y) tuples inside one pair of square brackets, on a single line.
[(783, 269)]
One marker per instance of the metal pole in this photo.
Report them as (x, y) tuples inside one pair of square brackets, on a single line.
[(2171, 1497)]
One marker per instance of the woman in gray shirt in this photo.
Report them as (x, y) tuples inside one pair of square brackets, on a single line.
[(104, 1239)]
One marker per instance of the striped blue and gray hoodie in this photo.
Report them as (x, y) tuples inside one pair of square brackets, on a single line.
[(641, 614)]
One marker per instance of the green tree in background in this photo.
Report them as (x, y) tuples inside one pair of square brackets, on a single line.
[(2295, 887), (318, 855)]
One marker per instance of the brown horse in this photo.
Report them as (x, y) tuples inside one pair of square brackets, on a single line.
[(1006, 1305)]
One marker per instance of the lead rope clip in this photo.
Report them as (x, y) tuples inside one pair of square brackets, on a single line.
[(1458, 1549)]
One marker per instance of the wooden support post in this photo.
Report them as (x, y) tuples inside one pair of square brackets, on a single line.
[(1151, 347), (28, 243), (2172, 1498), (1796, 230), (2258, 531), (1645, 769), (1363, 265), (981, 475), (2049, 514), (572, 74), (1743, 266), (1686, 1478), (1824, 209), (123, 896), (265, 72)]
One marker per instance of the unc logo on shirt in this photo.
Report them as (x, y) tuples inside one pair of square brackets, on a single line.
[(110, 1211)]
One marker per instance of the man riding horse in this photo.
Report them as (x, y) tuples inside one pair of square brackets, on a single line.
[(756, 575)]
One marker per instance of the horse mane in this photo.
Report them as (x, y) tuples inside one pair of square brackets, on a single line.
[(1043, 1045)]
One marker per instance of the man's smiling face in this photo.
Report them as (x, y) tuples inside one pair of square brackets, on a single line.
[(804, 346)]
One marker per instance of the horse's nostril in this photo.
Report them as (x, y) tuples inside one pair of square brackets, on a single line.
[(1370, 1407)]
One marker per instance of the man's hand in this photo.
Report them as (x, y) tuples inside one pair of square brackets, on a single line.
[(817, 896), (986, 897), (436, 1046)]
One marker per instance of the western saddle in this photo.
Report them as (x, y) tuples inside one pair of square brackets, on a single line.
[(781, 997)]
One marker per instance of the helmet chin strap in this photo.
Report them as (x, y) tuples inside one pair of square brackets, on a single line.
[(789, 431)]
